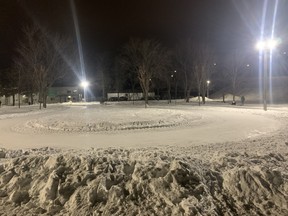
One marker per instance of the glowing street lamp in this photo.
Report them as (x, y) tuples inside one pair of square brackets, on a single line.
[(269, 44), (265, 47), (208, 82), (84, 84)]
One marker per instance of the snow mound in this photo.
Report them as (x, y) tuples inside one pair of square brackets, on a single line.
[(196, 99), (109, 119), (142, 182)]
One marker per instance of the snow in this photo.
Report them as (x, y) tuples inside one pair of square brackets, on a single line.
[(123, 159)]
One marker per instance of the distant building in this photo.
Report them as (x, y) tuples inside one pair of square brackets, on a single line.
[(129, 96), (55, 95), (24, 99), (64, 94), (73, 94)]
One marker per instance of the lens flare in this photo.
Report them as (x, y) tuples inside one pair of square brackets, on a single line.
[(81, 76), (266, 48), (84, 84)]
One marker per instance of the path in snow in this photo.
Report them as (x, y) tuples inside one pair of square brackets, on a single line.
[(130, 126)]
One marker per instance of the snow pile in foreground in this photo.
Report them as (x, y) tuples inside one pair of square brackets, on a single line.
[(142, 182)]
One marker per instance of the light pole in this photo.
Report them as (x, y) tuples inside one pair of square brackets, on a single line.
[(84, 84), (208, 82), (175, 81), (170, 89), (265, 48)]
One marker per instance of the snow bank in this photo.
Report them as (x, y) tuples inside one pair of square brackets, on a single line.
[(142, 182), (196, 99)]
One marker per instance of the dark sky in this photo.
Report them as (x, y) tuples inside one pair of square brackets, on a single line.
[(105, 25)]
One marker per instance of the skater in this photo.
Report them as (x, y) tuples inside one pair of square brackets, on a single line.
[(242, 100)]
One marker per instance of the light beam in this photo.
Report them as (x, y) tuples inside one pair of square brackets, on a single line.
[(78, 37)]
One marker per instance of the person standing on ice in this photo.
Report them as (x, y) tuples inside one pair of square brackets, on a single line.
[(242, 100)]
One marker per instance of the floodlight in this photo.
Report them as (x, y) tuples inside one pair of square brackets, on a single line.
[(267, 44), (84, 84)]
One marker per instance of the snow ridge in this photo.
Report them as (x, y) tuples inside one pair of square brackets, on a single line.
[(144, 182)]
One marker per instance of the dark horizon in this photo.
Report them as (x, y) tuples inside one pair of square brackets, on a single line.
[(105, 25)]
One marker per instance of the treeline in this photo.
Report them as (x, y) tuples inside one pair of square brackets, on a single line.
[(42, 58)]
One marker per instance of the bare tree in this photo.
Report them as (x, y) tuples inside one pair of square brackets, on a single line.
[(8, 83), (166, 73), (145, 58), (118, 76), (184, 55), (202, 67), (44, 57), (103, 78), (234, 70), (129, 73)]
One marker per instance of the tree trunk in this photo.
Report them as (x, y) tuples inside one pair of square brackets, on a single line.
[(45, 101), (234, 88), (133, 92), (13, 96), (186, 86), (44, 97), (158, 92), (175, 91), (146, 98), (18, 99), (203, 99), (169, 96), (199, 103), (103, 91), (31, 98), (188, 95), (40, 98), (169, 93), (203, 95)]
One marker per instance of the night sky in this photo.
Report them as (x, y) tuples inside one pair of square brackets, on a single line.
[(106, 25)]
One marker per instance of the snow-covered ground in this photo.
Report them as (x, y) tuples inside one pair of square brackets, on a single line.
[(123, 159)]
